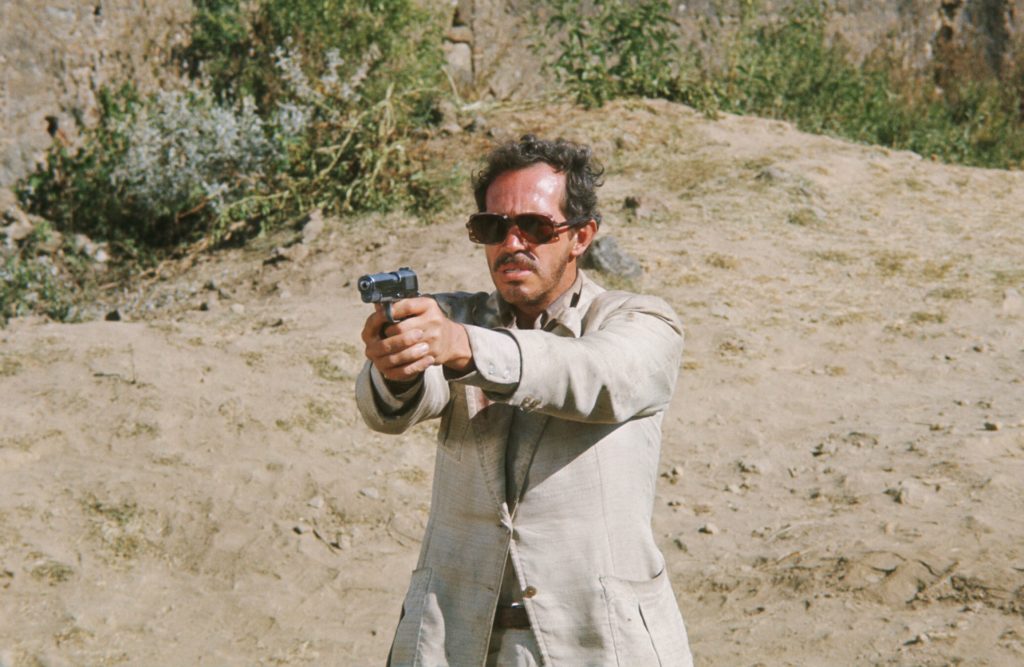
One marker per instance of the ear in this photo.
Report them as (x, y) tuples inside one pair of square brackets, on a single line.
[(583, 238)]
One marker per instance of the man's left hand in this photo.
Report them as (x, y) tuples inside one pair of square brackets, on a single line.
[(421, 317)]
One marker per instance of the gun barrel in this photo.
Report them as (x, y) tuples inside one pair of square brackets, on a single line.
[(388, 286)]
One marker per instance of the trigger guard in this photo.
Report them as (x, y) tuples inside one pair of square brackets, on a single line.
[(387, 312)]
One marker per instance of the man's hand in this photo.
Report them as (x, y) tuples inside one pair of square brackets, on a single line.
[(423, 337)]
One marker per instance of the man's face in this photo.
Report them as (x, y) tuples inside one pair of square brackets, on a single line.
[(530, 276)]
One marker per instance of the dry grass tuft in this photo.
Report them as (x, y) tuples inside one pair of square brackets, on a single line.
[(720, 261)]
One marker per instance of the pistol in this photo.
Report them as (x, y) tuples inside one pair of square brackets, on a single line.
[(386, 288)]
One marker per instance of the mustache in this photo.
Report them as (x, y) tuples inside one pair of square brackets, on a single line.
[(520, 259)]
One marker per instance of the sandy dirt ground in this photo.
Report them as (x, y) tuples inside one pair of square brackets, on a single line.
[(842, 468)]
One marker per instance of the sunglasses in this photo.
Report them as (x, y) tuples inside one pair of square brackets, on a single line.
[(491, 228)]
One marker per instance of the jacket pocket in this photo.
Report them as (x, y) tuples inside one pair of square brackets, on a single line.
[(646, 626), (419, 639)]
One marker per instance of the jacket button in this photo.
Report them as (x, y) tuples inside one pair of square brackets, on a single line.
[(529, 592)]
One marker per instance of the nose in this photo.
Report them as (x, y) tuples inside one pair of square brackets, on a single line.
[(514, 239)]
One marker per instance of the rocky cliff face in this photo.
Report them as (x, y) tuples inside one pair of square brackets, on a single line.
[(56, 54)]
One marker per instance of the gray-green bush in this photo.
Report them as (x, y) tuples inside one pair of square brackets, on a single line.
[(274, 122)]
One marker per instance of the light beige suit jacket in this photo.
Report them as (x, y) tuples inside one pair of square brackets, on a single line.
[(596, 381)]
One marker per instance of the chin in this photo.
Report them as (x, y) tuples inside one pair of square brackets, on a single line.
[(517, 295)]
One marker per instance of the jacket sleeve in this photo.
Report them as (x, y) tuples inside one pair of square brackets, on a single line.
[(427, 403), (624, 365)]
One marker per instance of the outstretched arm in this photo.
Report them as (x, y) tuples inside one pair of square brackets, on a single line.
[(624, 367)]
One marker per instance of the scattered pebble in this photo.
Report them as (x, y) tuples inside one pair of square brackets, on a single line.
[(673, 474), (237, 309), (709, 529), (370, 492), (993, 426), (300, 529), (909, 492), (732, 488), (890, 528), (316, 502), (754, 467), (1013, 302)]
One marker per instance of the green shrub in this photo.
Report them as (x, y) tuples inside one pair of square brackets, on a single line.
[(31, 282), (618, 48), (293, 104), (788, 68), (791, 69)]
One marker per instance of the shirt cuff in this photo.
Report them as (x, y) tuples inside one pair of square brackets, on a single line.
[(497, 359), (392, 402)]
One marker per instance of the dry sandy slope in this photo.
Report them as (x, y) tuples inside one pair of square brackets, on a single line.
[(197, 488)]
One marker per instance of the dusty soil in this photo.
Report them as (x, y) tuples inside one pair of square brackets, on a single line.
[(842, 464)]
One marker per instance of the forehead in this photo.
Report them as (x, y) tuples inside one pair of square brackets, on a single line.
[(537, 188)]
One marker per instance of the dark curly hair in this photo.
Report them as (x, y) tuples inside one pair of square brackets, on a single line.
[(582, 171)]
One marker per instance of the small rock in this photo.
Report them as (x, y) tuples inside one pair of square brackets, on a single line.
[(300, 529), (297, 252), (754, 467), (82, 244), (993, 426), (909, 492), (476, 124), (238, 309), (316, 502), (889, 528), (1013, 302), (709, 529), (626, 141), (675, 503), (313, 227), (210, 303), (460, 34), (293, 253), (606, 256), (370, 492), (681, 545), (506, 81), (772, 175), (114, 316), (20, 226), (459, 59), (733, 488)]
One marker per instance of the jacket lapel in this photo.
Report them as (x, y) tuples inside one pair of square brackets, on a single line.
[(491, 423), (529, 427)]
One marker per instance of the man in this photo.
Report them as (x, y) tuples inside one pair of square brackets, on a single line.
[(551, 393)]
